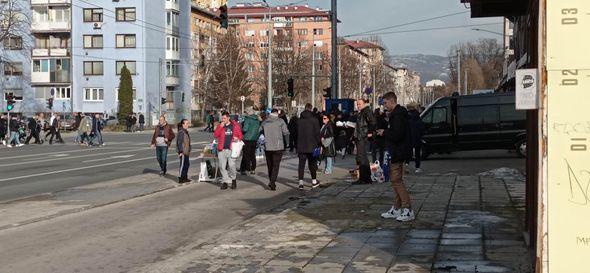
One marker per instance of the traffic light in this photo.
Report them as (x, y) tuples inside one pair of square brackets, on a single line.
[(328, 92), (163, 100), (50, 103), (9, 102), (223, 16), (290, 84)]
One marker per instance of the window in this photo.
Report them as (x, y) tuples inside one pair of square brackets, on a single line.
[(125, 14), (62, 93), (172, 43), (17, 94), (318, 31), (302, 31), (508, 113), (41, 65), (93, 94), (249, 56), (61, 15), (41, 42), (250, 33), (264, 32), (130, 65), (93, 41), (439, 116), (172, 68), (117, 94), (478, 115), (93, 68), (302, 44), (250, 69), (318, 43), (92, 15), (172, 19), (125, 41), (264, 44), (250, 45), (13, 43), (13, 69)]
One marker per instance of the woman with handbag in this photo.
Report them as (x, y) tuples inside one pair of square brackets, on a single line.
[(328, 145)]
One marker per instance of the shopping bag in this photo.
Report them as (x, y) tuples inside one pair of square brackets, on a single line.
[(317, 152), (204, 173), (236, 149), (386, 166), (377, 174)]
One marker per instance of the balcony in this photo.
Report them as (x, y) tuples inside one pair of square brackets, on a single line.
[(172, 55), (53, 52), (172, 81), (51, 26), (170, 5), (50, 2), (54, 77)]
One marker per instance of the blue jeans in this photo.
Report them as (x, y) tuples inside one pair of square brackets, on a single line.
[(14, 136), (329, 163), (161, 156)]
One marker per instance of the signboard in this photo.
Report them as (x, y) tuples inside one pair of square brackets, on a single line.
[(568, 142), (527, 91), (242, 98)]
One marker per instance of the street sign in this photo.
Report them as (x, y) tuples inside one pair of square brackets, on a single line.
[(526, 89), (242, 98), (293, 103)]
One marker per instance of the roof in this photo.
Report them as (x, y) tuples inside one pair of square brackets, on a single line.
[(259, 11), (207, 12), (360, 44)]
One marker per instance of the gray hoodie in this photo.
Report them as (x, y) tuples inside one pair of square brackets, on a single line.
[(276, 133)]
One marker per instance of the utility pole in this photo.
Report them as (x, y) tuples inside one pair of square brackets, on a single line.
[(159, 101), (334, 19), (313, 74), (465, 83), (459, 71), (339, 79), (374, 88), (270, 34)]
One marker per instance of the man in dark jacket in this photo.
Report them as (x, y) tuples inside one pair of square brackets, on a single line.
[(141, 122), (398, 137), (161, 140), (33, 133), (416, 131), (251, 130), (183, 145), (3, 129), (379, 141), (96, 131), (293, 132), (365, 127), (308, 140)]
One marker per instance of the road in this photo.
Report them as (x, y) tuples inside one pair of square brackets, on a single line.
[(37, 169), (128, 235)]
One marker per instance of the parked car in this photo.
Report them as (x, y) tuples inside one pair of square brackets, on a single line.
[(112, 120), (67, 122), (474, 122)]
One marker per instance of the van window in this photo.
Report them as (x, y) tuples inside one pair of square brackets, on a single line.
[(427, 117), (478, 115), (509, 113), (439, 115)]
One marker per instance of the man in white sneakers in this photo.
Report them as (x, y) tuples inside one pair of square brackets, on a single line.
[(398, 137)]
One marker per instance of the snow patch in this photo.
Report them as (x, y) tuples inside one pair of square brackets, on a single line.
[(504, 173)]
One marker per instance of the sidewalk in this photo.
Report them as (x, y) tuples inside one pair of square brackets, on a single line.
[(463, 224)]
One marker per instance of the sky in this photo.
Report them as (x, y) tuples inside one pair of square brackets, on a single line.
[(362, 15)]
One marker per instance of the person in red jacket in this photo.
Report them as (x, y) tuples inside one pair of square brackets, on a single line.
[(227, 132)]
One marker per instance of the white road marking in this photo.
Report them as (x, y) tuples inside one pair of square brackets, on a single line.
[(88, 167), (71, 157), (108, 158)]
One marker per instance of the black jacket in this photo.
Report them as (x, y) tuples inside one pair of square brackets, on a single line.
[(141, 119), (325, 132), (13, 126), (416, 128), (293, 126), (308, 133), (398, 135), (32, 124), (365, 123)]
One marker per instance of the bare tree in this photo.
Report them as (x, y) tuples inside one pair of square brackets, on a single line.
[(14, 21), (230, 78), (481, 60)]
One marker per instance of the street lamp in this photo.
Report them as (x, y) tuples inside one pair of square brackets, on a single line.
[(270, 33)]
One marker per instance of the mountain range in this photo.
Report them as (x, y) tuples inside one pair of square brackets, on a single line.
[(429, 67)]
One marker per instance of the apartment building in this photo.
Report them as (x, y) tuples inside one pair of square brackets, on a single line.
[(145, 37), (293, 27), (209, 4), (206, 30)]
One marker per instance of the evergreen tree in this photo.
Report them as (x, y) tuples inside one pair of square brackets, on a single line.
[(125, 95)]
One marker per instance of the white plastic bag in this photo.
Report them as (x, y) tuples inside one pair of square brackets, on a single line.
[(204, 174), (236, 149), (377, 174)]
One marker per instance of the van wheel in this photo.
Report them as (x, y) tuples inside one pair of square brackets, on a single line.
[(521, 147), (425, 154)]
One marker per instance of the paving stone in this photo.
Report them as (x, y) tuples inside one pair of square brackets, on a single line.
[(410, 267)]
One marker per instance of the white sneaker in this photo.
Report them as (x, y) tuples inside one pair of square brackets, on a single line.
[(20, 145), (3, 142), (406, 216), (9, 146), (392, 213), (418, 170), (301, 185), (315, 183)]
